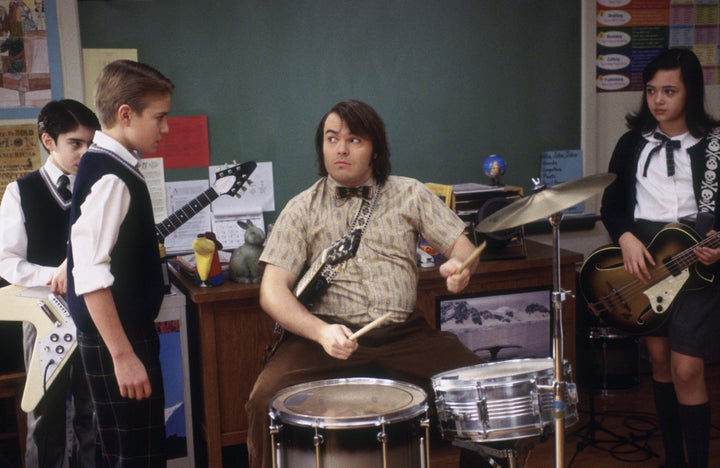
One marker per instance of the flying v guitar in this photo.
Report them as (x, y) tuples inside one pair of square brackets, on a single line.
[(639, 308), (56, 333)]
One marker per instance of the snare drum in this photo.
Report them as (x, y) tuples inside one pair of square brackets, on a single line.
[(501, 400), (342, 423)]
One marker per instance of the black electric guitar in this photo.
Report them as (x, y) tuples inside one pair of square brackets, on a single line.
[(639, 308), (314, 281), (56, 332), (316, 278), (228, 181)]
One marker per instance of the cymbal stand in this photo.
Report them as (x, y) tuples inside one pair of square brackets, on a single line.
[(558, 296)]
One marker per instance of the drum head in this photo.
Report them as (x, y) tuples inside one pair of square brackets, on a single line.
[(498, 370), (356, 402)]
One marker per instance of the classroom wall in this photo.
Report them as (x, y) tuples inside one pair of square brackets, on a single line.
[(455, 80)]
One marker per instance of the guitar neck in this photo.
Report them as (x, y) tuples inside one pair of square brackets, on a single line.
[(687, 257), (181, 216)]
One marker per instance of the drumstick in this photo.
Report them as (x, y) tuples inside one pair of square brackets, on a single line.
[(369, 327), (472, 257)]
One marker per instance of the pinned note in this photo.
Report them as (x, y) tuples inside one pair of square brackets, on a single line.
[(562, 166)]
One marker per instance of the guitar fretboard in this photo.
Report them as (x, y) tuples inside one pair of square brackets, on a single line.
[(687, 257), (181, 216)]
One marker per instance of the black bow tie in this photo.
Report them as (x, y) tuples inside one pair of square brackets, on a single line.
[(347, 192), (62, 187), (669, 145)]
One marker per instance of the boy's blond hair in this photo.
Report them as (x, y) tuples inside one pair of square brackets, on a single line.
[(127, 82)]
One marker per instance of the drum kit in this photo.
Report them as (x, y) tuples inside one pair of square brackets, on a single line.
[(499, 409)]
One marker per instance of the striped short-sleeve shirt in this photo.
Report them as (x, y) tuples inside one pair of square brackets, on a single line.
[(382, 276)]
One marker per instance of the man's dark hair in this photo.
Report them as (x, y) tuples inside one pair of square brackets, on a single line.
[(363, 121)]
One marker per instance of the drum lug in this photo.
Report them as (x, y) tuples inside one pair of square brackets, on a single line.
[(275, 428), (318, 439), (425, 441), (536, 402), (382, 437), (572, 394), (484, 415), (275, 446)]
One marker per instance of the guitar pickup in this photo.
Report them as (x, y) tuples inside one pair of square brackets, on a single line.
[(48, 313)]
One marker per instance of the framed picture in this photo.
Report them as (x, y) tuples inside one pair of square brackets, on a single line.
[(501, 325), (31, 71)]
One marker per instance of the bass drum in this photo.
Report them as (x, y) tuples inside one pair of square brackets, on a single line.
[(501, 400), (344, 423)]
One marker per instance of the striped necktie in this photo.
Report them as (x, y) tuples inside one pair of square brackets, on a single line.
[(62, 187)]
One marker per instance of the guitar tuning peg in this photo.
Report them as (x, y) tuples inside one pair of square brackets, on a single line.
[(243, 188), (249, 181), (234, 163)]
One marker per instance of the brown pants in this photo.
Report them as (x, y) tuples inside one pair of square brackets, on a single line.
[(409, 352)]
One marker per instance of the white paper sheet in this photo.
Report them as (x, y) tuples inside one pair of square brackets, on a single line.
[(259, 193), (178, 194)]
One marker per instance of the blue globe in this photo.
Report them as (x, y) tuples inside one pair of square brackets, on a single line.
[(494, 167)]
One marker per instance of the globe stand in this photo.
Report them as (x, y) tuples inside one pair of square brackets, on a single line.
[(494, 168)]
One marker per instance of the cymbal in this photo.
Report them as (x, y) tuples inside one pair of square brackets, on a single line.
[(545, 203)]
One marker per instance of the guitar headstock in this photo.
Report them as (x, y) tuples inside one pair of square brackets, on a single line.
[(343, 248), (232, 179)]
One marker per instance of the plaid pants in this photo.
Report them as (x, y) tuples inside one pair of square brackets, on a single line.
[(132, 432)]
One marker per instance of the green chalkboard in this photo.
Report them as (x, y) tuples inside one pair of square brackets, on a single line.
[(455, 80)]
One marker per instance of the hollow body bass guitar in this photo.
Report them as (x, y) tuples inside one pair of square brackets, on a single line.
[(636, 307)]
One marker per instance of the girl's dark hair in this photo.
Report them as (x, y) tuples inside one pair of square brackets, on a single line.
[(363, 121), (63, 116), (699, 122)]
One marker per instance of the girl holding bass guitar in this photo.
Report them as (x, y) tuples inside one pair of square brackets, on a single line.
[(667, 171)]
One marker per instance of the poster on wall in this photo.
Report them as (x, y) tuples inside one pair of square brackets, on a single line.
[(19, 152), (630, 33), (30, 66)]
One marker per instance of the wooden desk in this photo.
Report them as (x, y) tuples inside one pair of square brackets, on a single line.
[(229, 333), (228, 336)]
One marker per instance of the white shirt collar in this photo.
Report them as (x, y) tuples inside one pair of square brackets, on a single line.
[(54, 172), (105, 141), (686, 139)]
